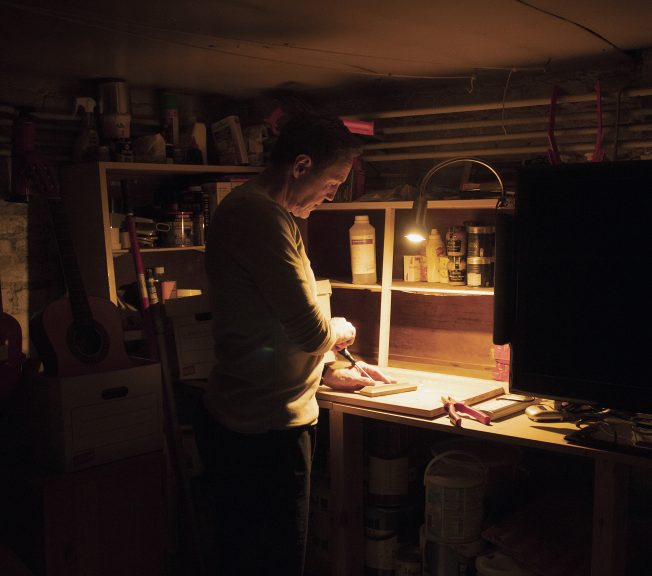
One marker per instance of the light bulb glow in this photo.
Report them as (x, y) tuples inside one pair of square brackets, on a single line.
[(415, 237)]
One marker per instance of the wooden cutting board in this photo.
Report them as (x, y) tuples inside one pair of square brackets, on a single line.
[(425, 401)]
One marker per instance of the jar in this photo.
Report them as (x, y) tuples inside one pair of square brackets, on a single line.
[(180, 232), (457, 271), (481, 241), (479, 271), (456, 241)]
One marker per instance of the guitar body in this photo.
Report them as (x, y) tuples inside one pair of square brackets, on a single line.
[(11, 335), (67, 348)]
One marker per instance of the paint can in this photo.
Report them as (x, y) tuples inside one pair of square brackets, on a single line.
[(379, 555), (454, 495), (388, 480), (440, 559), (408, 561)]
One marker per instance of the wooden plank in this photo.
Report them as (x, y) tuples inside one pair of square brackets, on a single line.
[(610, 502), (386, 294), (346, 460), (425, 401)]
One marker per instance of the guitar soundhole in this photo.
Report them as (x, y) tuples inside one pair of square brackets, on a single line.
[(88, 343)]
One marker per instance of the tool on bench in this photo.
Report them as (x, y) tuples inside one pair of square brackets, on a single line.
[(455, 408), (354, 362)]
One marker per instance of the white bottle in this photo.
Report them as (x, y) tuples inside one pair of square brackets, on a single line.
[(362, 241), (434, 249)]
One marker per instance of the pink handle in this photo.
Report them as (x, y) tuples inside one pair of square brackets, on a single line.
[(479, 416)]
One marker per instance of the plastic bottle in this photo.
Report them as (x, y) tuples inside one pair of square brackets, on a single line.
[(87, 143), (152, 282), (170, 125), (434, 249), (362, 241)]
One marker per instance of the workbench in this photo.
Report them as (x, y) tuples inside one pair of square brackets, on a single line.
[(611, 473)]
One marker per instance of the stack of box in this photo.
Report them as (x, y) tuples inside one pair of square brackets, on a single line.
[(502, 356)]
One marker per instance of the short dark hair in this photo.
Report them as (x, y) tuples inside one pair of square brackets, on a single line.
[(324, 138)]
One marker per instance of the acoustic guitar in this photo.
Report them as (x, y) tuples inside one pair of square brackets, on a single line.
[(76, 334), (11, 338)]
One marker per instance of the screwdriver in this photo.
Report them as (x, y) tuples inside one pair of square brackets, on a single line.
[(344, 352)]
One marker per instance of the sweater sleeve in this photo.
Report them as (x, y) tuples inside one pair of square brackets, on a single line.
[(270, 248)]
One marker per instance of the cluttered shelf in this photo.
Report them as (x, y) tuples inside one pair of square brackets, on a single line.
[(133, 169), (122, 251), (471, 203)]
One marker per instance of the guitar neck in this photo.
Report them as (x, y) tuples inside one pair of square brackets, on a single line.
[(81, 310)]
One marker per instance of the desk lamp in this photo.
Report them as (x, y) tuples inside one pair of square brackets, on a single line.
[(417, 232)]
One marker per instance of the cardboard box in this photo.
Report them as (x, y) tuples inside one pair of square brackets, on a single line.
[(193, 340), (83, 421), (229, 141), (414, 269)]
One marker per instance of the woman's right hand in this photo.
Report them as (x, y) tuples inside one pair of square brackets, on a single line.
[(344, 333)]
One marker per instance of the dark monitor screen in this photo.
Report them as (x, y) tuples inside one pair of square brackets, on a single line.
[(582, 274)]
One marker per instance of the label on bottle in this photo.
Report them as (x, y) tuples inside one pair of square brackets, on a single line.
[(363, 254)]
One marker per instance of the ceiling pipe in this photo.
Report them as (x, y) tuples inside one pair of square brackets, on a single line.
[(499, 105)]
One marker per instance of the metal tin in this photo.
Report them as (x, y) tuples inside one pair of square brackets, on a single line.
[(181, 229), (480, 272), (481, 241)]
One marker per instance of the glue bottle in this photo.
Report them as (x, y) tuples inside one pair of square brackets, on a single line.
[(362, 241)]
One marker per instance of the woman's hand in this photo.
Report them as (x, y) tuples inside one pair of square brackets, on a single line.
[(351, 378)]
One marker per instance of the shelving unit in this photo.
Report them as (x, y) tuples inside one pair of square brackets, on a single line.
[(328, 250), (86, 189)]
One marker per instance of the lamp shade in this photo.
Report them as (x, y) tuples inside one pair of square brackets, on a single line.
[(417, 231)]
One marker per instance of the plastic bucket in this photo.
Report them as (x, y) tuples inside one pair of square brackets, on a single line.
[(500, 463), (455, 486)]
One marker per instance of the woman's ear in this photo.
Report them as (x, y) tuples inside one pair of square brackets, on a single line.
[(302, 163)]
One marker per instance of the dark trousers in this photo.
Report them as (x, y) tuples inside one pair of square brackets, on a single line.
[(260, 487)]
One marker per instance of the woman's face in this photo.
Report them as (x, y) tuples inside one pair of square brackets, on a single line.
[(309, 188)]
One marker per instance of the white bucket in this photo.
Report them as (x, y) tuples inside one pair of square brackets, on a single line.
[(455, 485)]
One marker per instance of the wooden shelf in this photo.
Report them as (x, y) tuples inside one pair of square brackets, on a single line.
[(477, 204), (134, 169), (86, 188), (161, 249)]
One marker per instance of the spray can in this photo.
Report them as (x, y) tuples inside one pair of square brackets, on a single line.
[(362, 241)]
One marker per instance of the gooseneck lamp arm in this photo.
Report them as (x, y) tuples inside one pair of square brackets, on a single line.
[(418, 232)]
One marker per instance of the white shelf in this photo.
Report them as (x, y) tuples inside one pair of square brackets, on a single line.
[(439, 288), (415, 287), (338, 283)]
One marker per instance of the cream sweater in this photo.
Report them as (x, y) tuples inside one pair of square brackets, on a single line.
[(270, 336)]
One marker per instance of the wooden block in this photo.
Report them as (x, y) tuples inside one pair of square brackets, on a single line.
[(383, 389)]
